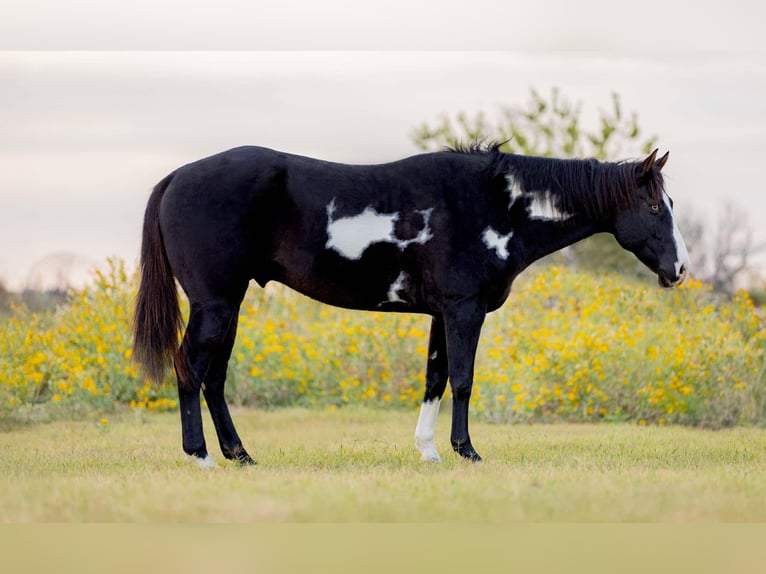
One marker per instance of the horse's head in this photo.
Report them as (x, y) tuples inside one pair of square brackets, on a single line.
[(648, 229)]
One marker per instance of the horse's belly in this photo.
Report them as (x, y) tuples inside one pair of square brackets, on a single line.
[(378, 280)]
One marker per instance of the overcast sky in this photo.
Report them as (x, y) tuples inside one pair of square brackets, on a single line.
[(86, 134)]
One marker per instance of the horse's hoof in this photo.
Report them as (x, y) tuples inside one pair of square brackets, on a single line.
[(244, 460), (472, 456), (468, 453), (239, 455), (431, 456), (202, 462)]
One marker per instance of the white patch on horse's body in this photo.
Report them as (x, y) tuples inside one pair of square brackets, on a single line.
[(493, 240), (425, 429), (682, 255), (542, 208), (514, 189), (206, 462), (396, 286), (351, 236), (424, 234), (434, 355)]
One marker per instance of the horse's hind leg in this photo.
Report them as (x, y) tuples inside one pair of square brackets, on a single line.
[(228, 439), (192, 436), (436, 383), (207, 347)]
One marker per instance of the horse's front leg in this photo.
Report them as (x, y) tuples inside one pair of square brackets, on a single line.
[(436, 383), (463, 324)]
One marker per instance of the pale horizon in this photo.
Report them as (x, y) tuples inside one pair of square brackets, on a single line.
[(88, 133)]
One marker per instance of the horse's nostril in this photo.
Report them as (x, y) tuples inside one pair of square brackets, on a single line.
[(682, 271)]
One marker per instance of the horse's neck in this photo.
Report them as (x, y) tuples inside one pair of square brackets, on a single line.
[(548, 227), (542, 239)]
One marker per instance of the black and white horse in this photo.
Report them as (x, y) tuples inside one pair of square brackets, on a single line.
[(443, 234)]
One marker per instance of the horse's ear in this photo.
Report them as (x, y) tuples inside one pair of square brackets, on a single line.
[(648, 163), (662, 161)]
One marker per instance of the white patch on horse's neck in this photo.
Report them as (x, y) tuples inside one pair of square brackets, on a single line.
[(396, 286), (425, 430), (682, 255), (493, 240), (514, 189), (351, 236), (542, 208)]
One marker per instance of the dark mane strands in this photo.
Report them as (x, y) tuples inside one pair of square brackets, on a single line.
[(481, 147), (590, 186)]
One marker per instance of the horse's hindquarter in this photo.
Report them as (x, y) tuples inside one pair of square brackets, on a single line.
[(211, 217)]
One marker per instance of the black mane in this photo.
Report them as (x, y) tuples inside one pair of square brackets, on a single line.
[(477, 147), (595, 188)]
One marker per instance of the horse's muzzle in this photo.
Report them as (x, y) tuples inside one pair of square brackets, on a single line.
[(667, 281)]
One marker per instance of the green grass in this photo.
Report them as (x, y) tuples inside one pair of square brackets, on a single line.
[(360, 464)]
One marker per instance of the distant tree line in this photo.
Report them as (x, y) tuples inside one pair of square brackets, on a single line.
[(31, 299)]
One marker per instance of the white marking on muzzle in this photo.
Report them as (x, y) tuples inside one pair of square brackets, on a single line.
[(425, 429), (682, 255), (493, 240)]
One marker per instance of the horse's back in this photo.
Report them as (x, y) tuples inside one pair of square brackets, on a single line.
[(351, 235)]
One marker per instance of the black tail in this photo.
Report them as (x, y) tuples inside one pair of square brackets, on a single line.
[(157, 320)]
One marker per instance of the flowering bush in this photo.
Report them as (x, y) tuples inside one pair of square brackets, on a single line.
[(581, 347), (78, 356), (566, 346)]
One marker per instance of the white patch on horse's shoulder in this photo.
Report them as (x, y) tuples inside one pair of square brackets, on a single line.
[(351, 236), (514, 189), (425, 429), (206, 462), (493, 240), (542, 208), (396, 286)]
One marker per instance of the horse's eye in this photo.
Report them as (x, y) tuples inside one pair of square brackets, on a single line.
[(655, 208)]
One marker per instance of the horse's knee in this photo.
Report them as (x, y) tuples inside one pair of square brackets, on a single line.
[(213, 326), (461, 390)]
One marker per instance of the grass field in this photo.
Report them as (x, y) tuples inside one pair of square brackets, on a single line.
[(359, 464)]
